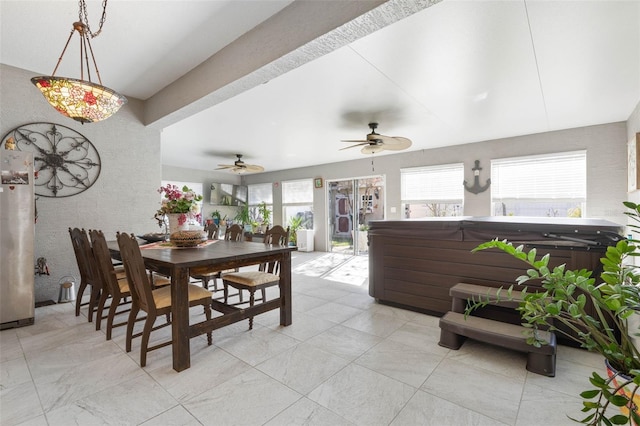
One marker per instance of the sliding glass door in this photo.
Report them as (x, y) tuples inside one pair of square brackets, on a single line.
[(352, 204)]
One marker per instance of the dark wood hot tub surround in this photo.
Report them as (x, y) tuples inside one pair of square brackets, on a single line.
[(414, 263)]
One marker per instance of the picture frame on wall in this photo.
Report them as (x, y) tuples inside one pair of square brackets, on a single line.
[(317, 182), (633, 171)]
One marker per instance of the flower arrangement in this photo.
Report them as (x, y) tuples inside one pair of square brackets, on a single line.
[(182, 201)]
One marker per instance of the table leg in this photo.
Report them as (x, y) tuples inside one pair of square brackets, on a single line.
[(285, 289), (180, 318)]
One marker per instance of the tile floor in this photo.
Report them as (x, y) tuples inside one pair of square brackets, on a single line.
[(345, 360)]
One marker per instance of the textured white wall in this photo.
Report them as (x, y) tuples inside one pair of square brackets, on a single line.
[(124, 197)]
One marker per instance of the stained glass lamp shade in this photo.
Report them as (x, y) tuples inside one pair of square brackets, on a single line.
[(81, 100)]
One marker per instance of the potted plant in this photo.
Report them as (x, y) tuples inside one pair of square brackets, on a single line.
[(244, 217), (563, 299), (216, 217), (179, 205), (265, 214), (295, 223)]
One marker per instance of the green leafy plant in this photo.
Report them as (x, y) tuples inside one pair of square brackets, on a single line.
[(244, 215), (295, 223), (597, 314), (265, 213)]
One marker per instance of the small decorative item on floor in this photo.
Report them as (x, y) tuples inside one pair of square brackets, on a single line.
[(67, 291)]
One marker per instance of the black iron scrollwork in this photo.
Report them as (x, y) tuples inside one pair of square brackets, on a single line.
[(65, 162)]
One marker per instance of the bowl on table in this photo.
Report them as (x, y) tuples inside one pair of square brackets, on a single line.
[(188, 238), (153, 237)]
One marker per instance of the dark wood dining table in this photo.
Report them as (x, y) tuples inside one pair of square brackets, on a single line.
[(221, 255)]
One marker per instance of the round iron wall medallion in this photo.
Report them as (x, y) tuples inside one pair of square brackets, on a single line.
[(65, 163)]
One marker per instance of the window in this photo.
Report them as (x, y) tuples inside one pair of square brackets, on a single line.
[(259, 193), (432, 191), (540, 185), (297, 202)]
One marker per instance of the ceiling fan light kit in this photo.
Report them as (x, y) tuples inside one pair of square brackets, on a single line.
[(376, 142), (240, 167), (81, 100)]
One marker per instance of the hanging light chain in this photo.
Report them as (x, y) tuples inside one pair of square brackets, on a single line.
[(83, 16)]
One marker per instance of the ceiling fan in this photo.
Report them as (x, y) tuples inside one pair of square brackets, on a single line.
[(240, 166), (376, 142)]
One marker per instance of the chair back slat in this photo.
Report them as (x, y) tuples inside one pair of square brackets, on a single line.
[(104, 263), (276, 236), (84, 257), (139, 285), (212, 231), (233, 233)]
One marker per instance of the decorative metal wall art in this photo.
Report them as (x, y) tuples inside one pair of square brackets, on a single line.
[(65, 162), (477, 188)]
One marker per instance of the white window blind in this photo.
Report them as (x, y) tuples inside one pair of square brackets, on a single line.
[(559, 176), (260, 192), (441, 183), (297, 191)]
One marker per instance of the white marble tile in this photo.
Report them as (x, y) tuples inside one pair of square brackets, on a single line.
[(57, 337), (304, 326), (257, 345), (327, 293), (304, 303), (420, 337), (35, 421), (373, 323), (429, 410), (571, 378), (334, 312), (357, 300), (85, 379), (209, 368), (10, 347), (176, 416), (492, 358), (401, 362), (308, 413), (557, 406), (302, 367), (131, 402), (19, 403), (491, 394), (344, 341), (248, 399), (363, 396), (50, 364), (14, 372), (392, 311)]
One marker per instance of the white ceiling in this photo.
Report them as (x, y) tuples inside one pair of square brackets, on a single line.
[(453, 73)]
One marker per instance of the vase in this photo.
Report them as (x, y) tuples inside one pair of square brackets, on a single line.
[(627, 391), (175, 224)]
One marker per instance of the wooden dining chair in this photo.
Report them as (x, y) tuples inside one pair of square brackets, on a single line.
[(115, 285), (153, 302), (267, 274), (88, 274), (205, 274)]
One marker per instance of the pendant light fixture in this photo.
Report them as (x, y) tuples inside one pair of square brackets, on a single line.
[(82, 100)]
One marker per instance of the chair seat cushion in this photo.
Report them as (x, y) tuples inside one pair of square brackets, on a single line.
[(162, 296), (251, 278), (124, 285)]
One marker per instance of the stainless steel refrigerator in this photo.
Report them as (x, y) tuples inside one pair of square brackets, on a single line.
[(17, 234)]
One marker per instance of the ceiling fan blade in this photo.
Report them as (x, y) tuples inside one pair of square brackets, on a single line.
[(396, 143), (254, 168), (224, 166), (354, 140), (354, 146)]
